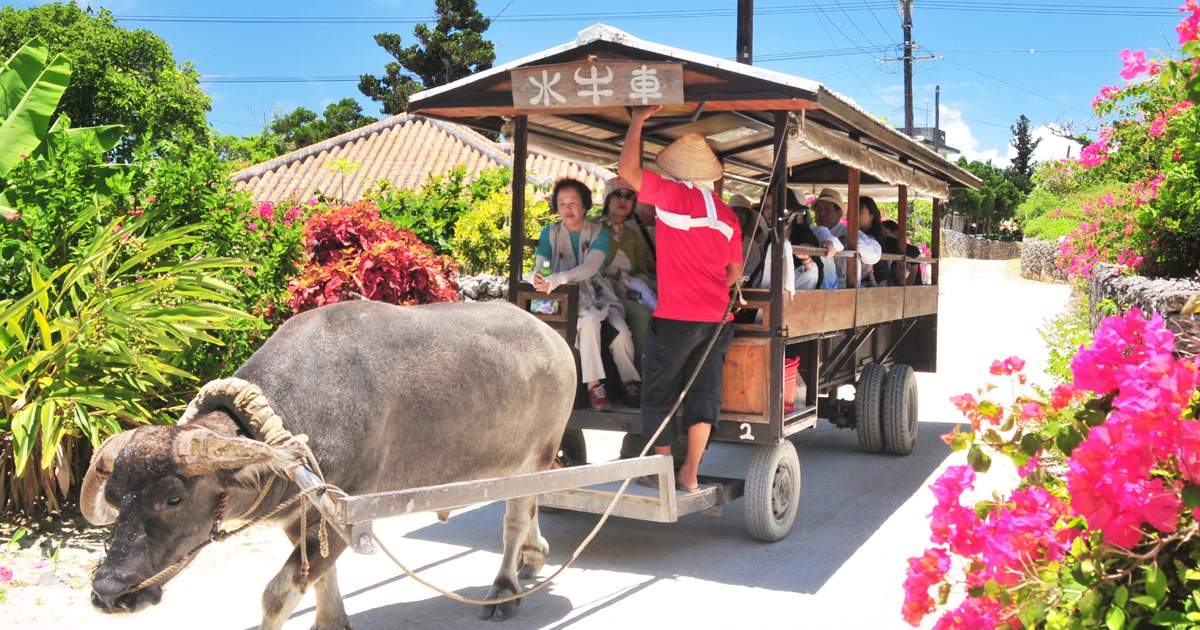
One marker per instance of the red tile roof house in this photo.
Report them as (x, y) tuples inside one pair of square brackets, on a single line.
[(406, 151)]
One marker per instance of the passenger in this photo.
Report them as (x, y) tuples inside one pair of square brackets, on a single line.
[(748, 214), (643, 214), (628, 266), (830, 231), (870, 222), (574, 249), (699, 259), (809, 273), (891, 245)]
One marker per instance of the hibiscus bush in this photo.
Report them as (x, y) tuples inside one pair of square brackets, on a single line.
[(350, 251), (1102, 527), (1150, 140)]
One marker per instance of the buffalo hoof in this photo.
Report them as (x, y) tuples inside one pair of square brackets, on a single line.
[(500, 612), (533, 558)]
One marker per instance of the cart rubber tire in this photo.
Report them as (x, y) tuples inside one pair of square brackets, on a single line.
[(900, 410), (868, 407), (772, 491)]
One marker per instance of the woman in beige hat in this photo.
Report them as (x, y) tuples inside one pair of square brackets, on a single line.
[(699, 256)]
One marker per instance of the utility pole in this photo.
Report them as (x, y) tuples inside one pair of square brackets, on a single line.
[(745, 32), (937, 119), (906, 17)]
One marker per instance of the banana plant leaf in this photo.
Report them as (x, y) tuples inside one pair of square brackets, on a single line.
[(19, 72), (26, 126)]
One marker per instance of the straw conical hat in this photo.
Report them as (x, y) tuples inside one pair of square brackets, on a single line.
[(690, 159)]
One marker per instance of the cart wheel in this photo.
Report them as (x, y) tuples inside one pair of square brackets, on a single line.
[(900, 410), (772, 491), (572, 451), (867, 395)]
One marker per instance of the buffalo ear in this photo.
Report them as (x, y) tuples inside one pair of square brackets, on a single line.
[(96, 509), (202, 452)]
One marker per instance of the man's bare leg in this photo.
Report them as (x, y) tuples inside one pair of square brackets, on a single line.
[(697, 441)]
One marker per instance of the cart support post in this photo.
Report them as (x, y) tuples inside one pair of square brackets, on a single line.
[(852, 190), (935, 248), (778, 205), (902, 222), (516, 235)]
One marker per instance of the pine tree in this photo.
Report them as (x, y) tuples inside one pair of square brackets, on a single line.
[(1021, 170), (452, 49)]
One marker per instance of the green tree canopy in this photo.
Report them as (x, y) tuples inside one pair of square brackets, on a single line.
[(994, 202), (1021, 170), (118, 76), (295, 130), (452, 49)]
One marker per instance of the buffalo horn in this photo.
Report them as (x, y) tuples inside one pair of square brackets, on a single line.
[(96, 509), (201, 452)]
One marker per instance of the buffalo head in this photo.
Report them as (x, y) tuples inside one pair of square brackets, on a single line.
[(161, 486)]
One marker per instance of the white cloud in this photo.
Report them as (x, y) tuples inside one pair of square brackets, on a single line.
[(960, 136), (1051, 147)]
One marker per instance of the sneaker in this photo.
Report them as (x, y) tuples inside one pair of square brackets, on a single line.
[(632, 393), (598, 399)]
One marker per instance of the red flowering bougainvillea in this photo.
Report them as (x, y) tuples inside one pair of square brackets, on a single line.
[(350, 250)]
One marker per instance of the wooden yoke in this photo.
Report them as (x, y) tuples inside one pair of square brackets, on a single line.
[(902, 229), (852, 190)]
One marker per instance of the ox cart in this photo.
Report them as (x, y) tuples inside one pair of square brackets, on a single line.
[(772, 132)]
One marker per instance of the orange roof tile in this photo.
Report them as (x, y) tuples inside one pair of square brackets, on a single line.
[(405, 150)]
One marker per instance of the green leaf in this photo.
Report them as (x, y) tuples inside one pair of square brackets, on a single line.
[(1031, 443), (1168, 618), (978, 460), (1068, 439), (19, 72), (1115, 619), (24, 431), (28, 122), (1191, 495), (1120, 597), (1156, 582), (1145, 601)]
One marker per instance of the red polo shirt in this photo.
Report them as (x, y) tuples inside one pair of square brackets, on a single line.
[(692, 256)]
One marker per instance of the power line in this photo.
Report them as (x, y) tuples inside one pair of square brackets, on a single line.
[(1121, 9), (853, 23), (1015, 86), (876, 17)]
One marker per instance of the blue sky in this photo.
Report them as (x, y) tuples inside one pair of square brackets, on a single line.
[(983, 90)]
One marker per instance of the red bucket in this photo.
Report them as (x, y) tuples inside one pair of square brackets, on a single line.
[(791, 372)]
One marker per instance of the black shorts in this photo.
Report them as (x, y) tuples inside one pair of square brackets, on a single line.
[(672, 351)]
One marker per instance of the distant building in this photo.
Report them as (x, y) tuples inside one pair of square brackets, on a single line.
[(406, 151), (935, 139)]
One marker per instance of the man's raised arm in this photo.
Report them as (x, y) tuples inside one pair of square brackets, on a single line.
[(629, 167)]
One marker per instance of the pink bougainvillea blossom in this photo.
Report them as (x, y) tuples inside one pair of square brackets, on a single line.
[(1134, 63), (1189, 28), (924, 571), (6, 574), (1107, 93)]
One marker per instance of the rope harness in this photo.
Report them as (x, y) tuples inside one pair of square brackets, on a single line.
[(272, 432)]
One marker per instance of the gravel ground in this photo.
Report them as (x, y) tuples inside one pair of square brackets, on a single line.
[(841, 567)]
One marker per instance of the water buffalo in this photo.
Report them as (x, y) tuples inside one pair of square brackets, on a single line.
[(390, 397)]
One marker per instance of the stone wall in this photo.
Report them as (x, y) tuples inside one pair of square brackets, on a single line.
[(1039, 261), (1152, 295), (482, 288), (959, 245)]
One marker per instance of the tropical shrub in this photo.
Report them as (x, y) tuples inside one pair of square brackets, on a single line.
[(89, 347), (482, 235), (1054, 208), (1064, 336), (433, 211), (1150, 142), (1101, 529), (350, 251)]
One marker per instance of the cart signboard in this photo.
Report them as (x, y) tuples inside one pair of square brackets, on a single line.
[(592, 83)]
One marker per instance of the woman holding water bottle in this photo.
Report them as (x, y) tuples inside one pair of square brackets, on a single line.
[(574, 249)]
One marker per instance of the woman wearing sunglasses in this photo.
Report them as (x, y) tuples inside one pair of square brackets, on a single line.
[(629, 265)]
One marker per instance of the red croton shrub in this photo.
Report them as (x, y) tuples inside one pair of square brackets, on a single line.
[(349, 249)]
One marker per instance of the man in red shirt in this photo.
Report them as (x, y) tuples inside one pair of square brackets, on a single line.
[(699, 257)]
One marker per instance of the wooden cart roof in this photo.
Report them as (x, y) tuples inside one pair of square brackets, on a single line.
[(729, 103)]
